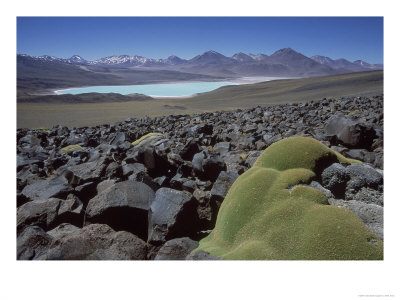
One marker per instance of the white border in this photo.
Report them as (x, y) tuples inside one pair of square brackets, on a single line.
[(198, 280)]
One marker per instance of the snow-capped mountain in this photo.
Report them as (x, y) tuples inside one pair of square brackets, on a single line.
[(367, 65), (284, 62), (76, 59), (259, 56), (242, 57)]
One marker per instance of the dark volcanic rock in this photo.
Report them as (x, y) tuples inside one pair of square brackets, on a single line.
[(335, 178), (190, 149), (173, 214), (363, 175), (32, 243), (50, 212), (212, 166), (42, 213), (56, 186), (351, 133), (197, 162), (123, 206), (96, 242), (90, 171), (62, 229), (176, 249), (222, 185)]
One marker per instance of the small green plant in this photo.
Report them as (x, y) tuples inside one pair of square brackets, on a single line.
[(137, 142), (45, 130), (71, 148), (267, 215)]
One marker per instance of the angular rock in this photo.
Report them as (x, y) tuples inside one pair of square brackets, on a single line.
[(212, 166), (32, 243), (133, 168), (42, 213), (50, 212), (123, 206), (190, 149), (252, 157), (173, 214), (197, 162), (176, 249), (102, 186), (56, 186), (71, 211), (86, 191), (351, 133), (222, 185), (96, 242), (90, 171), (62, 229), (222, 148)]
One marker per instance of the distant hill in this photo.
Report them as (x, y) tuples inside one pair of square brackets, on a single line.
[(344, 64)]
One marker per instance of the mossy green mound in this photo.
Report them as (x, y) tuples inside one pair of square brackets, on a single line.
[(137, 142), (71, 148), (264, 217), (45, 130)]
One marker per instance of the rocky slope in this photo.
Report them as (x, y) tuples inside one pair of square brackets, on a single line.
[(88, 193)]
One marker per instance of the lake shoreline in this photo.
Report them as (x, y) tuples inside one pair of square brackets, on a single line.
[(115, 88)]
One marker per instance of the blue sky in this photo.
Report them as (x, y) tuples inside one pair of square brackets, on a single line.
[(159, 37)]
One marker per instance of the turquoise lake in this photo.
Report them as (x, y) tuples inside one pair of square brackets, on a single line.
[(160, 90)]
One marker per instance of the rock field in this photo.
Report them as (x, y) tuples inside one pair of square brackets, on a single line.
[(89, 193)]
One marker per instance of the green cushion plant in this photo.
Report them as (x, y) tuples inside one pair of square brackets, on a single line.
[(137, 142), (267, 215), (71, 148)]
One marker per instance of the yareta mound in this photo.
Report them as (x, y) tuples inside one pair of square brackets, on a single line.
[(268, 215)]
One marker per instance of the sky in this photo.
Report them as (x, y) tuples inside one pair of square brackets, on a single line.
[(92, 38)]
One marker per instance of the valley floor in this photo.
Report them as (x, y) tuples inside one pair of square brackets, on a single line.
[(38, 115)]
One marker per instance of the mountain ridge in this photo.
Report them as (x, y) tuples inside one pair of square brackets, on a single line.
[(137, 60)]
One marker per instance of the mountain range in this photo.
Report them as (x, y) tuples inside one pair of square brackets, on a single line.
[(49, 71), (286, 58)]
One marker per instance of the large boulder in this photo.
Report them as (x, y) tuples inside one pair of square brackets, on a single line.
[(173, 214), (123, 206), (351, 133), (96, 242), (176, 249), (41, 213), (62, 229), (90, 171), (56, 186), (32, 243), (50, 212)]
